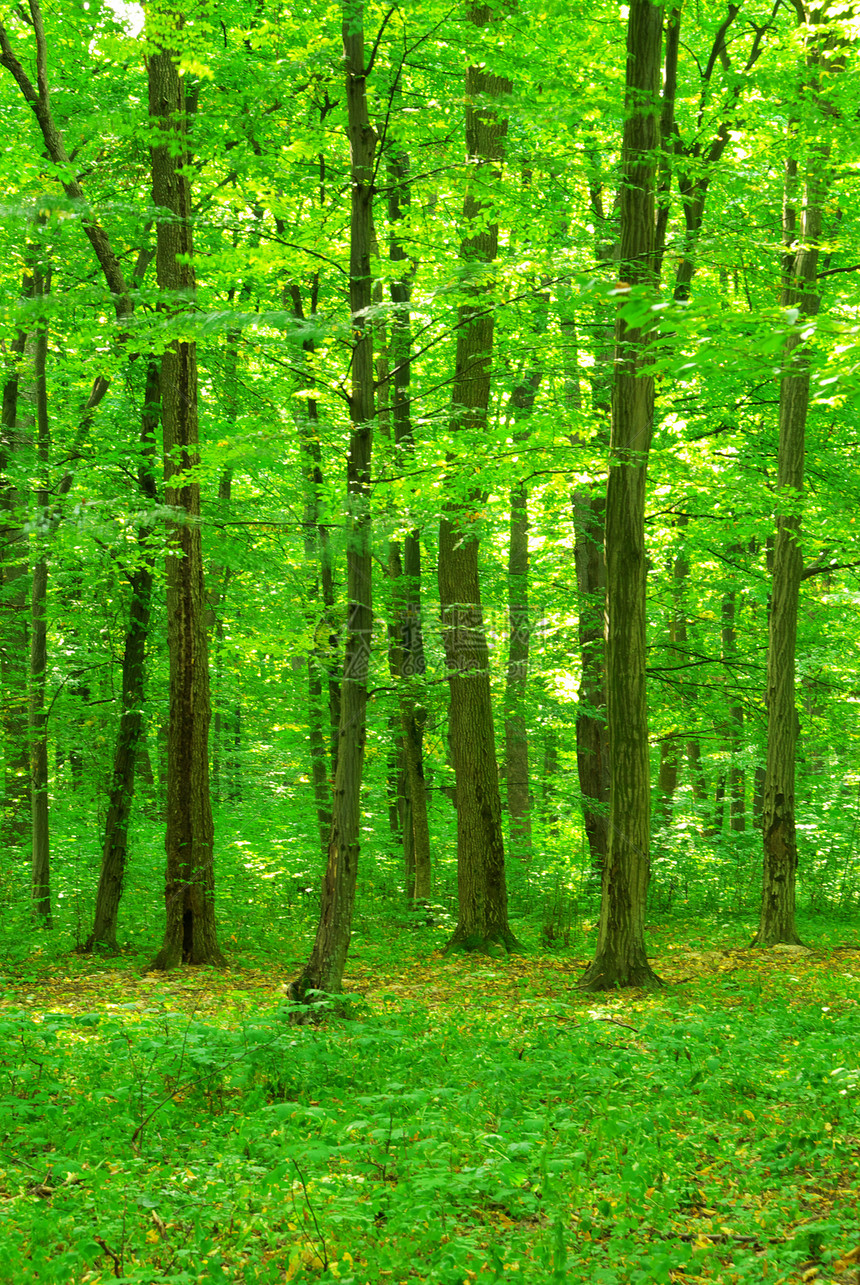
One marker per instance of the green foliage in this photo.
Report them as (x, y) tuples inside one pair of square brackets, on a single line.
[(482, 1121)]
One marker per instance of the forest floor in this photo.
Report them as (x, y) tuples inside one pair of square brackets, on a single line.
[(459, 1119)]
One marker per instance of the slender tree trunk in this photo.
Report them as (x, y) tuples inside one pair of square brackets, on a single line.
[(735, 777), (325, 967), (190, 930), (130, 734), (589, 512), (322, 656), (777, 919), (14, 645), (482, 890), (679, 637), (549, 800), (218, 578), (517, 779), (620, 958), (38, 721), (404, 565), (517, 773)]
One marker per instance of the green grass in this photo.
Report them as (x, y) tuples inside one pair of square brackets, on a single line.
[(458, 1120)]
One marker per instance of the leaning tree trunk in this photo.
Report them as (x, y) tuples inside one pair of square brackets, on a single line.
[(190, 931), (777, 918), (483, 899), (325, 967), (620, 958), (130, 733)]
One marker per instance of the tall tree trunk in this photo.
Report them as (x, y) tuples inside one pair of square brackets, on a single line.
[(517, 780), (14, 642), (589, 512), (777, 918), (517, 774), (130, 733), (325, 967), (482, 890), (190, 930), (38, 721), (404, 565), (218, 578), (620, 958), (322, 656), (735, 776)]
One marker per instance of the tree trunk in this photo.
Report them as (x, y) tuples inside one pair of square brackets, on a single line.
[(592, 741), (517, 773), (190, 931), (38, 721), (589, 512), (799, 292), (322, 654), (483, 900), (620, 958), (130, 734), (324, 970), (15, 635), (407, 653), (516, 678), (735, 777)]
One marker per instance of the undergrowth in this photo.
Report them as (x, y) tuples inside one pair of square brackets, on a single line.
[(456, 1121)]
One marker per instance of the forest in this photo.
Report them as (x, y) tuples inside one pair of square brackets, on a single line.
[(428, 491)]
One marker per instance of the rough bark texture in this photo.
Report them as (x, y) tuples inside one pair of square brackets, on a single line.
[(620, 958), (325, 967), (190, 932), (130, 733), (777, 919), (483, 902)]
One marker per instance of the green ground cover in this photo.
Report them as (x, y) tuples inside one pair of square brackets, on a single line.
[(456, 1120)]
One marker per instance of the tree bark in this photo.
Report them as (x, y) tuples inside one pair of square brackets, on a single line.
[(130, 733), (799, 292), (190, 930), (620, 958), (38, 720), (517, 781), (735, 777), (14, 613), (325, 967), (482, 891), (407, 652), (589, 513), (322, 655), (517, 773)]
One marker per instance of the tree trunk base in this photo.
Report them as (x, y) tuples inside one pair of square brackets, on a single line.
[(763, 939), (98, 946), (470, 942), (608, 974)]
